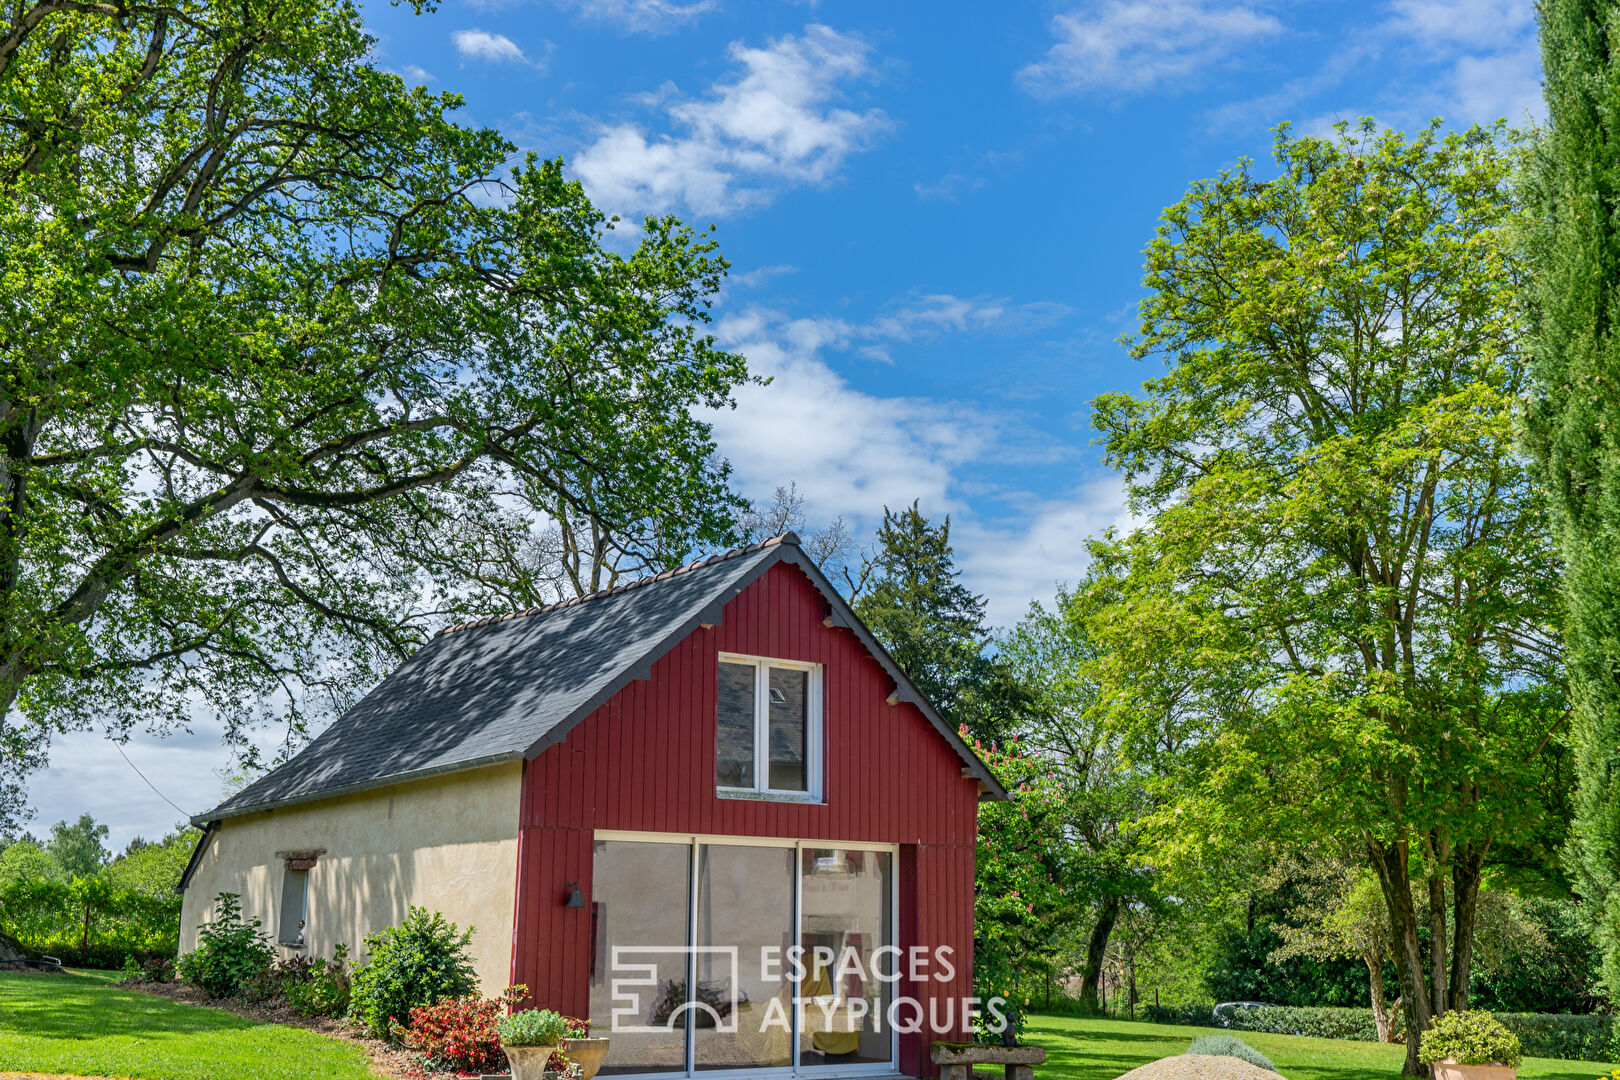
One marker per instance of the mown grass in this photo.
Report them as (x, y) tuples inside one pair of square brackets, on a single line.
[(81, 1024), (1085, 1049)]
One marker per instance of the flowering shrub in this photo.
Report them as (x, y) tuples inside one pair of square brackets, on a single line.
[(1019, 897), (460, 1034)]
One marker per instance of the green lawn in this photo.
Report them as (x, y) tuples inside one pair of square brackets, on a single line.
[(1102, 1049), (80, 1023)]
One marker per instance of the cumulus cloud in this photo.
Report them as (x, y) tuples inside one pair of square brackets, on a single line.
[(774, 124), (851, 452), (1130, 46), (416, 74), (478, 44), (641, 16)]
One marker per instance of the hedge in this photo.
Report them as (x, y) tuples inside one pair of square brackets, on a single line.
[(89, 921), (1546, 1035)]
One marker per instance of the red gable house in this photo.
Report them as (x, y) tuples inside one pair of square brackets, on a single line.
[(705, 810)]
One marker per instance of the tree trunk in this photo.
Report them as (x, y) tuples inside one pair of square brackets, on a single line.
[(1390, 861), (1375, 987), (1096, 949), (1438, 983), (84, 941), (1467, 867)]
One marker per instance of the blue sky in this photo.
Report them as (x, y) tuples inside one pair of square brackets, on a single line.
[(934, 214)]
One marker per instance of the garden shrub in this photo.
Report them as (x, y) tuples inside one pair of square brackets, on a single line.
[(460, 1034), (1230, 1046), (534, 1027), (1320, 1023), (420, 962), (155, 970), (324, 988), (231, 954), (1548, 1035), (1469, 1037), (1560, 1035)]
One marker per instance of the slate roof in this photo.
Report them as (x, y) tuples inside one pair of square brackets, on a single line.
[(507, 687)]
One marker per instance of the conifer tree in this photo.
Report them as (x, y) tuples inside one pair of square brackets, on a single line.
[(1574, 238), (910, 594)]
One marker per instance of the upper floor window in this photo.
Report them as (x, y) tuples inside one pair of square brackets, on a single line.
[(769, 737)]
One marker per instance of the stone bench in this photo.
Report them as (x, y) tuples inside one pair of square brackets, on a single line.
[(956, 1060)]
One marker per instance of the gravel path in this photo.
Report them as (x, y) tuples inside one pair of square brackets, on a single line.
[(1200, 1067)]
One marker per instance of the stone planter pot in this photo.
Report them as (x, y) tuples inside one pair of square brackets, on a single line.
[(587, 1052), (529, 1062), (1450, 1070)]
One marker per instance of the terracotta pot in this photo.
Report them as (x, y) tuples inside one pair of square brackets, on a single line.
[(587, 1052), (1450, 1070), (529, 1062)]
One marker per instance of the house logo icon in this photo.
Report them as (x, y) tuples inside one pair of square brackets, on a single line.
[(719, 1003)]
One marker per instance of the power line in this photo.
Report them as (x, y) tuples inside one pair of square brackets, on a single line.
[(149, 783)]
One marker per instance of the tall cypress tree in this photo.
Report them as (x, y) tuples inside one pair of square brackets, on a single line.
[(1574, 239)]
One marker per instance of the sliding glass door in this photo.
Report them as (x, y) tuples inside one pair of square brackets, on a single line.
[(778, 942), (639, 929)]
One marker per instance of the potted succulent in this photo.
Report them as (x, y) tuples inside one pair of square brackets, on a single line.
[(584, 1049), (530, 1037), (1470, 1044)]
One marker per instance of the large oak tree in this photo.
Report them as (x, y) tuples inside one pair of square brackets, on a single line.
[(1339, 619), (289, 359)]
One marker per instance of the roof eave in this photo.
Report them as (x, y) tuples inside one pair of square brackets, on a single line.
[(221, 812)]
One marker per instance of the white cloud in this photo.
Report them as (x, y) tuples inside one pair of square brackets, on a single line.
[(950, 187), (88, 775), (1507, 85), (1021, 559), (851, 452), (753, 279), (772, 125), (1135, 45), (1472, 24), (642, 16), (416, 74), (478, 44)]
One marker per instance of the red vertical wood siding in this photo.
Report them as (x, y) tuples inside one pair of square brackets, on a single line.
[(645, 762)]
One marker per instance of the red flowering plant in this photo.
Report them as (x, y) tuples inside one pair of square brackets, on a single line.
[(577, 1029), (457, 1035)]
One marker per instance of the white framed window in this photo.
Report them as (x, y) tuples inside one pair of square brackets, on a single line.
[(768, 728)]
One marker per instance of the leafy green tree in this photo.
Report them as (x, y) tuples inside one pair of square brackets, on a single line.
[(77, 846), (910, 594), (287, 354), (154, 869), (1051, 655), (1339, 619), (26, 860), (1338, 911), (1020, 898), (1574, 417)]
